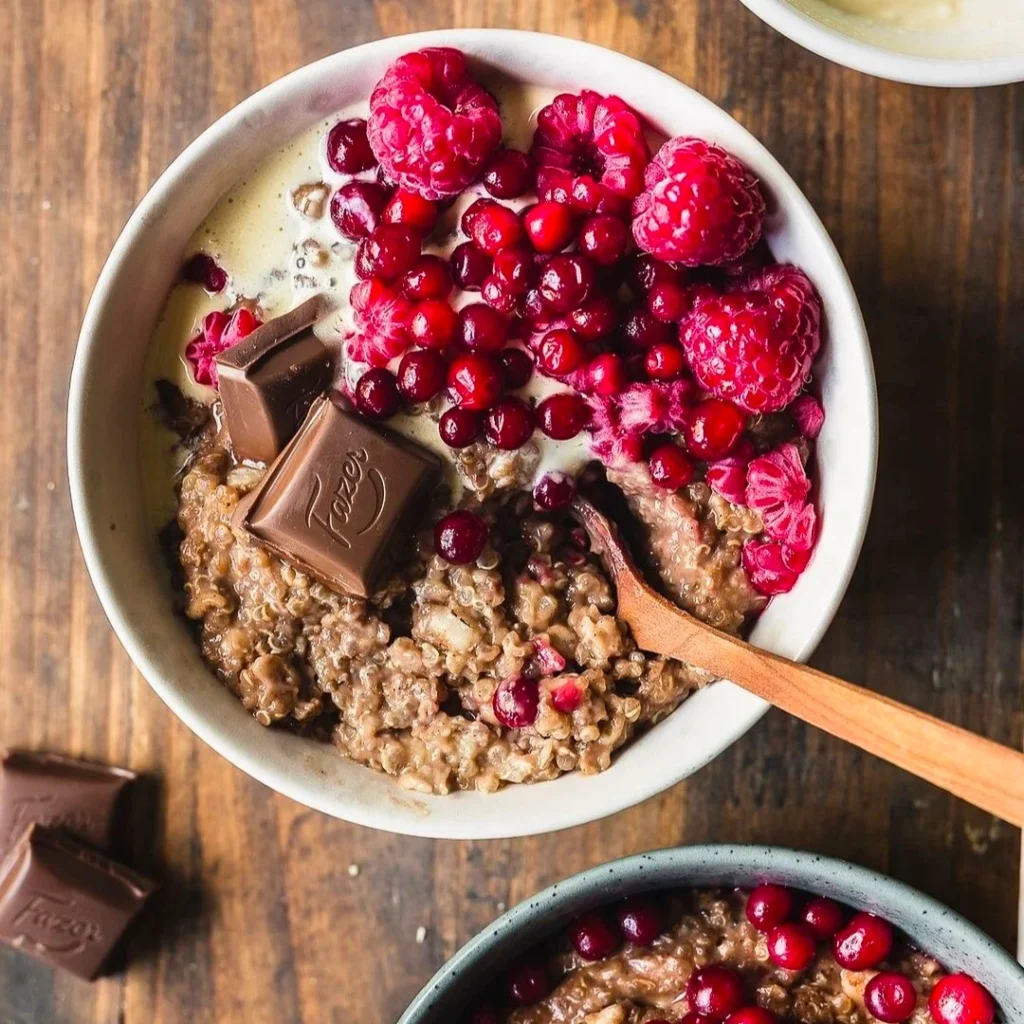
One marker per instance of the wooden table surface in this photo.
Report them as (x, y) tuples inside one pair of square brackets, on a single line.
[(262, 919)]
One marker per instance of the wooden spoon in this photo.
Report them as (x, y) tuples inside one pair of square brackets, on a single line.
[(978, 770)]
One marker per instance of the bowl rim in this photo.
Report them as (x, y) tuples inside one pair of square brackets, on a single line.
[(458, 823), (670, 868), (880, 61)]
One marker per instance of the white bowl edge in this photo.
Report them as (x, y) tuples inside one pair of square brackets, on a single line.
[(122, 561), (874, 59)]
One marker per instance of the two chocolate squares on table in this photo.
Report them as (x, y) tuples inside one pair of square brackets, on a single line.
[(337, 491), (64, 898)]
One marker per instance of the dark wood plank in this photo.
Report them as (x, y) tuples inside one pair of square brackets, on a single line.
[(923, 191)]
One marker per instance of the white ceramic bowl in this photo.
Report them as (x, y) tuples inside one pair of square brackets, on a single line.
[(987, 55), (123, 559)]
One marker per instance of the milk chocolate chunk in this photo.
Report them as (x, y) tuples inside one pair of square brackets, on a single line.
[(65, 903), (269, 380), (88, 800), (339, 497)]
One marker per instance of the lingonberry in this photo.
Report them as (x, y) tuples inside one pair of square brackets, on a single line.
[(515, 702), (603, 238), (560, 352), (429, 278), (460, 427), (470, 266), (475, 381), (433, 324), (376, 394), (549, 226), (509, 174), (481, 328), (410, 208), (565, 282), (670, 467), (460, 536), (509, 423), (563, 415), (357, 208), (518, 367), (421, 375)]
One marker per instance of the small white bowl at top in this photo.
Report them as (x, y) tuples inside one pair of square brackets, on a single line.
[(125, 564), (984, 55)]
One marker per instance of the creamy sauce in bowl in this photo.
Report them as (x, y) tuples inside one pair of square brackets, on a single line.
[(959, 29)]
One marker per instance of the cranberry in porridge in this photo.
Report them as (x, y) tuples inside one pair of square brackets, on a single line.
[(529, 293), (765, 956)]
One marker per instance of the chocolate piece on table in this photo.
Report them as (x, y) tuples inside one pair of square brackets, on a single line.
[(337, 498), (65, 903), (270, 378), (49, 789)]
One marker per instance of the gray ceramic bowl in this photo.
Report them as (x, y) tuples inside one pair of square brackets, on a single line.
[(929, 925)]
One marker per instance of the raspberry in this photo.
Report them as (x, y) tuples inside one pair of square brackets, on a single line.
[(773, 568), (546, 661), (699, 206), (755, 346), (728, 476), (431, 126), (566, 698), (619, 422), (382, 316), (661, 407), (613, 446), (777, 487), (590, 152), (220, 332), (808, 415)]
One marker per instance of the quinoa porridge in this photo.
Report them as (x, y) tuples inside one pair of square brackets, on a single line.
[(531, 297), (764, 956)]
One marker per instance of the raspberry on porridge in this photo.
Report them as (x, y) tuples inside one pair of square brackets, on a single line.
[(719, 956), (546, 304)]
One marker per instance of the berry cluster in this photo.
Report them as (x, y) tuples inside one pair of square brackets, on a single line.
[(858, 942), (797, 930), (642, 285)]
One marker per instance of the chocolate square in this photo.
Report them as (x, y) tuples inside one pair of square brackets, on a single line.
[(64, 903), (269, 380), (338, 496), (86, 799)]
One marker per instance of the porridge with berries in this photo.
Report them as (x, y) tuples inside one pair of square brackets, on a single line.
[(395, 352), (767, 956)]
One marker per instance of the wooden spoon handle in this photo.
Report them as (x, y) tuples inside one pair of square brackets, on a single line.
[(979, 770)]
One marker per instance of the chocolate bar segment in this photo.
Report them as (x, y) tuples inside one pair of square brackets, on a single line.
[(338, 497), (269, 380), (64, 903), (88, 800)]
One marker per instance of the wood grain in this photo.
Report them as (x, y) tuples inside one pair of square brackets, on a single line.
[(923, 191)]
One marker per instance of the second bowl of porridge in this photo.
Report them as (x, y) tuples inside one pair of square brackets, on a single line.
[(422, 292), (726, 935)]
